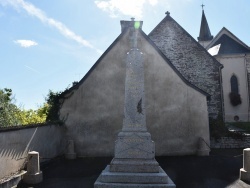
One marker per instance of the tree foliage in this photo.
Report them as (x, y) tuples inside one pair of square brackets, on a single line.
[(8, 110), (53, 101), (27, 117), (11, 115)]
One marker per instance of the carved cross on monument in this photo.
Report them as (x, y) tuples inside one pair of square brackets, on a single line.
[(134, 163)]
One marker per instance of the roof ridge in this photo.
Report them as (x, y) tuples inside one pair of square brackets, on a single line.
[(234, 38)]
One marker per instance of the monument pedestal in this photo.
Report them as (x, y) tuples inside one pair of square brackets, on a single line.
[(109, 179), (134, 165)]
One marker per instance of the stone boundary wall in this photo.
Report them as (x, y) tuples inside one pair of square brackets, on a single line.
[(21, 127), (16, 142), (228, 142)]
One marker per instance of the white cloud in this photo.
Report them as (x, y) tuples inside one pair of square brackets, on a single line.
[(38, 13), (153, 2), (132, 8), (26, 43)]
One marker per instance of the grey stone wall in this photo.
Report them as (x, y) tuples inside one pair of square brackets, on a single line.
[(15, 145), (190, 59), (176, 113)]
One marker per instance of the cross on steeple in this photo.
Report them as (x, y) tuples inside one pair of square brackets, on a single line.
[(167, 13), (205, 34), (202, 6)]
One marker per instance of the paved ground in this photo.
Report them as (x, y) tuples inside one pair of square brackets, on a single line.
[(219, 170)]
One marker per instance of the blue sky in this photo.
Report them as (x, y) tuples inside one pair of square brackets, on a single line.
[(50, 44)]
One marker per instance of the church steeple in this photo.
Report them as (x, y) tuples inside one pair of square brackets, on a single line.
[(205, 34)]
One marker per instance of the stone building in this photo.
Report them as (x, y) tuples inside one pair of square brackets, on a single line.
[(176, 108), (191, 60), (234, 55)]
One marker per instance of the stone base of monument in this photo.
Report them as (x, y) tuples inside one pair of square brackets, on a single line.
[(134, 165), (109, 179)]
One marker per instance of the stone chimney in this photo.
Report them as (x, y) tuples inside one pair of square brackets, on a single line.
[(132, 23)]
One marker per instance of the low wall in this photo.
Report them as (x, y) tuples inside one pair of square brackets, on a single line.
[(16, 143), (228, 142)]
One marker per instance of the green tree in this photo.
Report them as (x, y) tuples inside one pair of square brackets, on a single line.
[(8, 110), (11, 115), (30, 116), (53, 101)]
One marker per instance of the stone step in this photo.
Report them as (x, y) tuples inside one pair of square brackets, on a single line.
[(133, 165), (144, 178), (99, 184), (119, 185)]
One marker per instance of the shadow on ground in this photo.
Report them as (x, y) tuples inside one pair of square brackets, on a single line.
[(220, 169)]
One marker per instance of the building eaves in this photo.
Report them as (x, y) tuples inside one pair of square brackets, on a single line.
[(224, 30)]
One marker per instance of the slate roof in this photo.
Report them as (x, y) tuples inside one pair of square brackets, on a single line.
[(205, 34), (179, 46), (173, 67), (229, 43), (191, 59)]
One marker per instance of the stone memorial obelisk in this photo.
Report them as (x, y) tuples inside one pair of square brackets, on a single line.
[(134, 164)]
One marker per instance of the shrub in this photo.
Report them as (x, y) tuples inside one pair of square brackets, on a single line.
[(235, 98), (218, 129)]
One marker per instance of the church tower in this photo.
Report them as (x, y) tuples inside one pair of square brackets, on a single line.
[(205, 36)]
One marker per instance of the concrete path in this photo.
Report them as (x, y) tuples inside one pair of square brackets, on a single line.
[(219, 170)]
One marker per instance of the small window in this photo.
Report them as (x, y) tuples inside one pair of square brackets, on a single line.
[(234, 95), (236, 118), (234, 85)]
